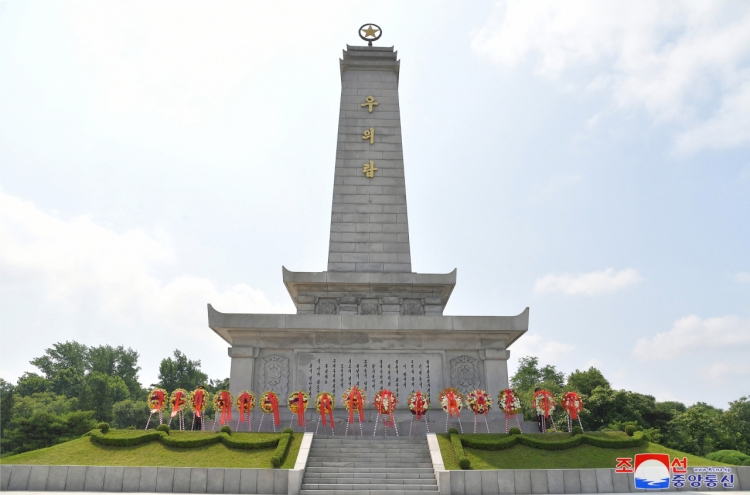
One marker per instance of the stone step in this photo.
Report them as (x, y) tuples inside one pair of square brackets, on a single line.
[(385, 448), (374, 487), (365, 492), (370, 469), (370, 456), (391, 474), (367, 481), (367, 464)]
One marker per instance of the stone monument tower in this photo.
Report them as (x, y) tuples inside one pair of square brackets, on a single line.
[(369, 319)]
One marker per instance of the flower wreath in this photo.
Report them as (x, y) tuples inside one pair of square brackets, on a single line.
[(543, 402), (385, 403), (245, 403), (198, 399), (418, 404), (269, 404), (157, 400), (178, 399), (324, 404), (451, 401), (572, 404), (509, 401), (354, 399), (479, 401), (223, 405), (294, 400)]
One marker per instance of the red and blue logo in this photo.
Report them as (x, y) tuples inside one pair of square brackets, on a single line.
[(651, 471)]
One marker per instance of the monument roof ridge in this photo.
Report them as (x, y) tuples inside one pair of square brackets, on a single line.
[(365, 48)]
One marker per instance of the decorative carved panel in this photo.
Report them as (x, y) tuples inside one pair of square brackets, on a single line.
[(369, 308), (274, 375), (465, 374), (327, 308), (412, 307)]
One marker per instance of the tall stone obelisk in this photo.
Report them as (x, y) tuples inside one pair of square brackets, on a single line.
[(369, 225)]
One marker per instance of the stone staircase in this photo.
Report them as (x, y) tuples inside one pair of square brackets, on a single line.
[(369, 465)]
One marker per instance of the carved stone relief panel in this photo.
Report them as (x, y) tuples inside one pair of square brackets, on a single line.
[(274, 375), (412, 307), (465, 374), (327, 307), (369, 307)]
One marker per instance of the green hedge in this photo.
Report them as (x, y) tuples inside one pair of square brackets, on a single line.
[(281, 450), (458, 449), (486, 442), (115, 439)]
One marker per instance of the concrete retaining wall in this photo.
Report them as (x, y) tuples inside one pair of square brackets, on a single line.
[(15, 477), (517, 481)]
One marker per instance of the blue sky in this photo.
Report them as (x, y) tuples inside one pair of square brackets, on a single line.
[(588, 160)]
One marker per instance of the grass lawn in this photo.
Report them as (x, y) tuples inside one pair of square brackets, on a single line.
[(581, 457), (85, 452)]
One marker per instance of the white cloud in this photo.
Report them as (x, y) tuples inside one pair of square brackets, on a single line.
[(742, 277), (81, 265), (590, 284), (683, 62), (724, 370), (693, 336), (547, 350)]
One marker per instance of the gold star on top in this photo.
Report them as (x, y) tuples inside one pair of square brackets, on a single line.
[(370, 31)]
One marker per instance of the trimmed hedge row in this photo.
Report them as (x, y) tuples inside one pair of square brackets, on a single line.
[(482, 442), (234, 442), (281, 449), (463, 461)]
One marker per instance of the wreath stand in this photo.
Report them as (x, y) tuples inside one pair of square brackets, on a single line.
[(318, 424), (348, 422), (298, 426), (544, 423), (149, 419), (416, 431), (385, 422), (249, 422), (458, 416), (517, 421), (485, 422), (263, 417), (203, 422), (180, 420), (570, 423)]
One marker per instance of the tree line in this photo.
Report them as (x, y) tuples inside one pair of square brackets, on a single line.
[(78, 386), (699, 429)]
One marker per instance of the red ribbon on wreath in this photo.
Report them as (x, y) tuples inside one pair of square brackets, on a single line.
[(326, 408), (572, 404), (385, 398), (226, 407), (509, 399), (244, 405), (198, 397), (419, 404), (157, 396), (545, 402), (177, 402), (300, 409), (481, 401), (354, 394), (452, 404), (275, 406)]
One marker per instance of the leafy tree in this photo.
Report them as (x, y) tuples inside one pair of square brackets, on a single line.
[(130, 413), (7, 399), (44, 430), (697, 431), (101, 393), (116, 361), (69, 382), (43, 402), (584, 382), (31, 383), (529, 375), (180, 372), (216, 385), (63, 356), (736, 424), (607, 407)]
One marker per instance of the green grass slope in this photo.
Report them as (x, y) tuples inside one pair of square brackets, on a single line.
[(581, 457), (84, 452)]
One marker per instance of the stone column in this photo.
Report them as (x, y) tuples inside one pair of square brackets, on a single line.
[(495, 369), (241, 372)]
